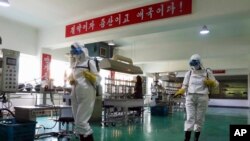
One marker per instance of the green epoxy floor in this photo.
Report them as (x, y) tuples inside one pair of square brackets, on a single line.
[(170, 127)]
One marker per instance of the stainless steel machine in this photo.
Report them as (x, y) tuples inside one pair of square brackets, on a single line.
[(9, 67), (118, 107)]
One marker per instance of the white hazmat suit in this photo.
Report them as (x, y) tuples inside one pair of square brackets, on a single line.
[(196, 83), (83, 90)]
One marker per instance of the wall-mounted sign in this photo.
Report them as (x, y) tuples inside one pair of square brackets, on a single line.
[(152, 12), (219, 71), (46, 60)]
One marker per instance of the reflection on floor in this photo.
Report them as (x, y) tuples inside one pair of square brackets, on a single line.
[(168, 128)]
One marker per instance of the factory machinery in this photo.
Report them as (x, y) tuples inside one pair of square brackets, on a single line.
[(21, 123), (9, 67), (118, 107), (10, 128), (163, 90), (119, 104)]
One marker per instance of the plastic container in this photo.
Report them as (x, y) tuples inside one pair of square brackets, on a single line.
[(159, 110), (13, 130)]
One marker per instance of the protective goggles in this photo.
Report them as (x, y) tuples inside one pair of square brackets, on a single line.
[(75, 50), (194, 63)]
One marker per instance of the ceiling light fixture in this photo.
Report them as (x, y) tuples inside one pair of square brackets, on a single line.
[(111, 43), (204, 30), (4, 3)]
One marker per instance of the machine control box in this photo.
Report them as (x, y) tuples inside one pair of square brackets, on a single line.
[(9, 66)]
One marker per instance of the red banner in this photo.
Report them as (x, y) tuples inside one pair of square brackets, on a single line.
[(112, 74), (46, 60), (219, 71), (152, 12)]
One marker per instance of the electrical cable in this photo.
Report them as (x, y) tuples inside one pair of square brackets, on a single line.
[(38, 128), (8, 111), (55, 109)]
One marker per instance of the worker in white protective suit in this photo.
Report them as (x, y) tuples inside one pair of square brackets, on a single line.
[(197, 84), (83, 79)]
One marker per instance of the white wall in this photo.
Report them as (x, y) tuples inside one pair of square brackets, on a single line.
[(58, 54), (228, 103), (23, 38), (17, 36)]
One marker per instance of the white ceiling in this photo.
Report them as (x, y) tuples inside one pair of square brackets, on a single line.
[(228, 20), (46, 13)]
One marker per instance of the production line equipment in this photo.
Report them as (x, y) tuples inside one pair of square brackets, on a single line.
[(9, 67), (117, 107), (163, 90)]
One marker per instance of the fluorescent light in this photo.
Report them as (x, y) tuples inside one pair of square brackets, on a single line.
[(111, 43), (4, 3), (204, 30)]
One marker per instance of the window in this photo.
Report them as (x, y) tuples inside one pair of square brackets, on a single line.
[(58, 70), (28, 69), (231, 87)]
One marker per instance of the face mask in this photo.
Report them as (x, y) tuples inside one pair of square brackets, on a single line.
[(195, 67), (75, 50), (195, 64)]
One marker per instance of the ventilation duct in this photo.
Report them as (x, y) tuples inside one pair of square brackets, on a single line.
[(120, 64)]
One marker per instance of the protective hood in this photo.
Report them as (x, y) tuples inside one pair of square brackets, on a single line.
[(195, 57), (195, 62), (78, 53)]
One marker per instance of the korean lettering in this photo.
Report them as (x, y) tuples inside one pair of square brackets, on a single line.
[(92, 25), (102, 24), (79, 28), (126, 20), (110, 21), (118, 19), (181, 4), (150, 12), (141, 14), (171, 8), (85, 26), (73, 29), (160, 10)]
